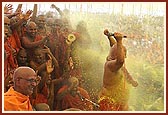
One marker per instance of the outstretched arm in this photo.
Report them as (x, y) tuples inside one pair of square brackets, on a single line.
[(33, 18), (58, 9), (53, 61), (118, 54), (111, 39), (28, 44), (129, 78), (8, 8)]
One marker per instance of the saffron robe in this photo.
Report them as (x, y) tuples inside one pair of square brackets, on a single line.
[(15, 101)]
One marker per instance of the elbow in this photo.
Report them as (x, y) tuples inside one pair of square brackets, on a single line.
[(120, 62)]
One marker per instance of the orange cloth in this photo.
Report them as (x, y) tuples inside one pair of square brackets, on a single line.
[(14, 41), (17, 39), (9, 63), (69, 101), (41, 97), (8, 48), (116, 96), (15, 101)]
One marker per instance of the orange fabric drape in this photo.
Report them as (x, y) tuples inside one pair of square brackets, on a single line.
[(15, 101)]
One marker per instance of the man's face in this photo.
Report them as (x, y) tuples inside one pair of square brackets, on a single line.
[(41, 21), (27, 84), (74, 83), (50, 23), (5, 34), (22, 57), (6, 22), (74, 90), (7, 25), (32, 30), (39, 56)]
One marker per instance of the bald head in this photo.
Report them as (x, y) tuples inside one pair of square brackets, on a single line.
[(72, 109), (42, 107), (24, 72), (7, 25), (24, 79), (41, 17), (6, 31), (31, 29), (74, 81), (41, 21), (31, 24)]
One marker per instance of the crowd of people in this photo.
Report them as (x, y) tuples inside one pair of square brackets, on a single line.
[(50, 47), (45, 46)]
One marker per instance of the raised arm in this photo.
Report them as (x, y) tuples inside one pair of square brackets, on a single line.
[(54, 62), (28, 44), (33, 18), (58, 9), (117, 54)]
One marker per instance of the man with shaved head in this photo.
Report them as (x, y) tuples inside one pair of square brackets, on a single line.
[(6, 21), (17, 97), (114, 94), (32, 40), (72, 97), (41, 24)]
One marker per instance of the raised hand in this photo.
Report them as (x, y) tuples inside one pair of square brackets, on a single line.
[(106, 32), (118, 36), (53, 6), (27, 15), (7, 9), (18, 13), (49, 66)]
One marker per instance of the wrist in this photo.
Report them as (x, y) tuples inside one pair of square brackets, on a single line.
[(119, 42)]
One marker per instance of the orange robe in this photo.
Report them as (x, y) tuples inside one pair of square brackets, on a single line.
[(41, 97), (17, 39), (69, 101), (9, 63), (15, 101), (30, 51)]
